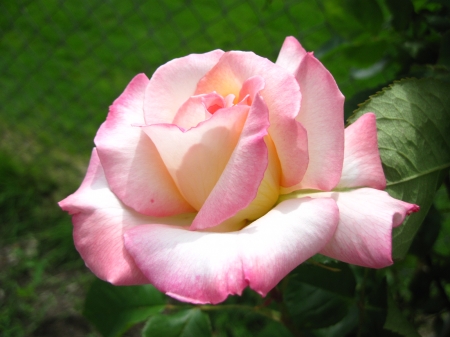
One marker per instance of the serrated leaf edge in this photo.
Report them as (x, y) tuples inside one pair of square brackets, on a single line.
[(352, 118)]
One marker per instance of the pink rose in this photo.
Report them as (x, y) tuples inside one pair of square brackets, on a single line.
[(225, 170)]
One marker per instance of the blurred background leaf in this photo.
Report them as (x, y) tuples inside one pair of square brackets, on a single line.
[(319, 296), (192, 322), (113, 310)]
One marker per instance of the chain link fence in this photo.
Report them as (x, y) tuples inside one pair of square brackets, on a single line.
[(64, 62)]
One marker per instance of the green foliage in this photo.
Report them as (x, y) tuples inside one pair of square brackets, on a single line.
[(396, 322), (413, 121), (186, 323), (402, 13), (318, 296), (113, 310)]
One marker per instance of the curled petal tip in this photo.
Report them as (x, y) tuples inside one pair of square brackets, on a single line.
[(414, 208)]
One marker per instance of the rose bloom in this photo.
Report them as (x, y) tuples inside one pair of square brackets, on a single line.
[(225, 170)]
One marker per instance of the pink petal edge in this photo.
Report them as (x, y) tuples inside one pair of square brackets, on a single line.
[(362, 162), (132, 165), (99, 221), (173, 83), (364, 233), (98, 228), (202, 267), (291, 54), (322, 115)]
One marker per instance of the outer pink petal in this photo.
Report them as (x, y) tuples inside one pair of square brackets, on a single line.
[(362, 163), (132, 165), (239, 182), (282, 96), (322, 114), (202, 267), (196, 158), (291, 54), (173, 83), (99, 220), (364, 234)]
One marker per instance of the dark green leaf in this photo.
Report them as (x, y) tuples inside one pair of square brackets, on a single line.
[(352, 17), (402, 12), (444, 52), (427, 234), (318, 296), (413, 121), (396, 322), (113, 310), (367, 12), (374, 307), (186, 323), (342, 328), (273, 328)]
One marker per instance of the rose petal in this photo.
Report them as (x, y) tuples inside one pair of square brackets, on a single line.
[(195, 110), (196, 158), (238, 184), (173, 83), (99, 221), (322, 115), (250, 88), (364, 234), (97, 234), (133, 167), (202, 267), (362, 163), (282, 96), (291, 55)]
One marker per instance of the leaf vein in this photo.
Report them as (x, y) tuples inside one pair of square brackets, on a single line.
[(424, 173)]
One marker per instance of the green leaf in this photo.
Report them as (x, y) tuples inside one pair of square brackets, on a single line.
[(367, 12), (273, 328), (413, 121), (396, 322), (113, 310), (444, 52), (318, 296), (351, 17), (184, 323), (343, 327), (374, 311), (428, 233), (402, 12)]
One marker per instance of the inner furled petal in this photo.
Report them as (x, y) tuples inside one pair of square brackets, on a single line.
[(198, 109), (229, 100), (173, 83), (197, 157), (213, 102), (266, 197), (239, 183), (250, 88), (281, 94)]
